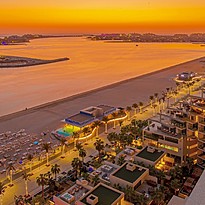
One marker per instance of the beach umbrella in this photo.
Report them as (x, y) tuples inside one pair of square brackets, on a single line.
[(90, 169), (36, 143)]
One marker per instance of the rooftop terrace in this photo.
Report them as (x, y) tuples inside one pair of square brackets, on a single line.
[(151, 156), (106, 195), (127, 175)]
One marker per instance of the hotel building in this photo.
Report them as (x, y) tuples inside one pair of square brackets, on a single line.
[(180, 130)]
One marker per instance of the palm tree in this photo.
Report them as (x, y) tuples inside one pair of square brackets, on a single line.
[(129, 193), (175, 95), (76, 136), (76, 164), (177, 84), (42, 180), (121, 160), (79, 146), (63, 143), (114, 115), (129, 109), (161, 176), (140, 199), (95, 180), (85, 175), (154, 109), (85, 130), (105, 120), (175, 185), (158, 196), (140, 105), (159, 103), (46, 147), (99, 146), (135, 106), (156, 97), (151, 100), (30, 159), (163, 102), (2, 190), (189, 164), (97, 125), (82, 153), (112, 137), (168, 90), (10, 170), (55, 169), (26, 177)]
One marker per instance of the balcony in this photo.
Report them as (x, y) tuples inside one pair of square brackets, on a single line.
[(202, 129), (201, 163), (192, 128), (180, 125), (168, 132), (202, 139), (152, 136), (202, 120), (201, 147), (201, 156), (191, 140)]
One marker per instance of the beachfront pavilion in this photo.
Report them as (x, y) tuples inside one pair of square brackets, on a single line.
[(185, 77), (85, 118)]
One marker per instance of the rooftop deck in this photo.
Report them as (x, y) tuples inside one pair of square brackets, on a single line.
[(106, 196), (149, 155), (127, 175)]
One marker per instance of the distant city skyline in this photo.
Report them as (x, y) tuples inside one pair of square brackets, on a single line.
[(66, 16)]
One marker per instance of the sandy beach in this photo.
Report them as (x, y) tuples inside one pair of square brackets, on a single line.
[(121, 94)]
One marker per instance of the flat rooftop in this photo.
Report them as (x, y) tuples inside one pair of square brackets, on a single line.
[(106, 195), (127, 175), (154, 129), (83, 118), (79, 119), (151, 156), (106, 108)]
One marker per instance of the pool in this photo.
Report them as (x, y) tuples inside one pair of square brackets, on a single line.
[(67, 197), (62, 132), (67, 130)]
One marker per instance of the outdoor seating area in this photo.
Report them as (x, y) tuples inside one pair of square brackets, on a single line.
[(105, 171), (191, 181), (16, 146), (147, 188), (171, 132)]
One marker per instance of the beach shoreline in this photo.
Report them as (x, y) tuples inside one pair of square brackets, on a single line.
[(48, 116), (84, 94)]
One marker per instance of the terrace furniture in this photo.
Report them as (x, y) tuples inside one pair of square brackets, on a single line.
[(151, 183)]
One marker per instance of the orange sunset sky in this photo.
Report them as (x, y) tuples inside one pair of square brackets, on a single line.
[(97, 16)]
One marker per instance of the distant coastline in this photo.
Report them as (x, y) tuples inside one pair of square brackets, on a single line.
[(22, 40), (14, 61), (149, 37)]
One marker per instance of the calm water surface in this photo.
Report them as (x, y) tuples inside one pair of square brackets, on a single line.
[(92, 64)]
